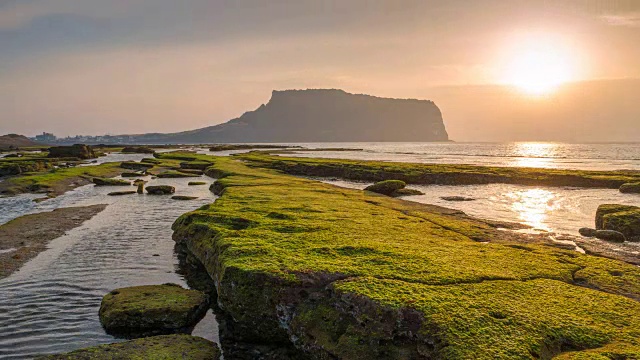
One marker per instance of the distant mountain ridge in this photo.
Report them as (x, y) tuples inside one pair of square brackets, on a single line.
[(321, 115), (12, 141)]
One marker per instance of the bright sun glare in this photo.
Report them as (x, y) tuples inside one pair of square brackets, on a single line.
[(537, 65)]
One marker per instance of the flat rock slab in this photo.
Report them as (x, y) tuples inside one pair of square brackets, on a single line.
[(152, 309), (156, 347), (120, 193), (182, 197), (110, 182)]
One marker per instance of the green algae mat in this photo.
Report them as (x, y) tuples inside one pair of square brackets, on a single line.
[(350, 274)]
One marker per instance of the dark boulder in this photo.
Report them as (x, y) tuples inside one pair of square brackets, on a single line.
[(610, 235), (79, 151), (161, 190), (152, 309), (137, 150), (587, 232), (193, 183), (406, 192)]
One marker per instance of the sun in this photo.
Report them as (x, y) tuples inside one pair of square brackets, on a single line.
[(538, 65)]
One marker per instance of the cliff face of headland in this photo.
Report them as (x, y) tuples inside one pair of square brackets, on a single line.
[(322, 116)]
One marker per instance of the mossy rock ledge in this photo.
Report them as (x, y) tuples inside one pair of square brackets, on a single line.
[(137, 166), (162, 347), (347, 274), (630, 188), (171, 174), (621, 218), (160, 189), (110, 182), (152, 309)]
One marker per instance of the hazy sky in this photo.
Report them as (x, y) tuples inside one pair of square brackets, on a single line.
[(130, 66)]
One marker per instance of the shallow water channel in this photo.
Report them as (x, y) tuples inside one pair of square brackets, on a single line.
[(51, 304)]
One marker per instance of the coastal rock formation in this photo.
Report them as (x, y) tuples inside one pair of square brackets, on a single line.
[(137, 166), (121, 193), (395, 188), (195, 165), (156, 347), (610, 235), (456, 198), (152, 309), (79, 151), (325, 115), (137, 150), (196, 183), (346, 274), (621, 218), (587, 232), (172, 174), (160, 189)]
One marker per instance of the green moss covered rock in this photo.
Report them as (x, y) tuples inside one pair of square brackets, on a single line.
[(175, 174), (160, 189), (195, 165), (137, 166), (196, 183), (184, 198), (622, 218), (152, 309), (344, 273), (137, 150), (630, 188), (386, 187), (110, 182), (162, 347)]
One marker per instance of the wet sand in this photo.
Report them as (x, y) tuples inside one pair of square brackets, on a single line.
[(23, 238)]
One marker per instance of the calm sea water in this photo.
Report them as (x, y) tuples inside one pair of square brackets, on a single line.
[(522, 154)]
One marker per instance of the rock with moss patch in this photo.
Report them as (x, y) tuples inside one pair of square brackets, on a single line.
[(456, 198), (183, 197), (191, 171), (621, 218), (630, 188), (406, 192), (152, 309), (587, 232), (79, 151), (110, 182), (137, 150), (131, 174), (120, 193), (195, 165), (610, 235), (387, 187), (160, 190), (176, 346), (196, 183)]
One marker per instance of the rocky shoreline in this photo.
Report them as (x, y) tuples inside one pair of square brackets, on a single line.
[(25, 237), (348, 274)]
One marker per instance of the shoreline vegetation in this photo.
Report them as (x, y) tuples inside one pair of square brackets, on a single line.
[(23, 238), (351, 274)]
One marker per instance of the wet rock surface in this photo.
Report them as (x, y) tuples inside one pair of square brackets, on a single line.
[(79, 151), (152, 309), (620, 218), (121, 193)]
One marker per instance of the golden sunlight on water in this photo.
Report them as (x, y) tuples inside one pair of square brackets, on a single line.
[(535, 154), (534, 206)]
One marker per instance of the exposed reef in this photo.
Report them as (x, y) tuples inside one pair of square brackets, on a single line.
[(79, 151), (342, 273), (442, 174)]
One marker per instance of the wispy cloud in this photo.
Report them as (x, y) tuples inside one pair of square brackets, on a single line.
[(628, 20)]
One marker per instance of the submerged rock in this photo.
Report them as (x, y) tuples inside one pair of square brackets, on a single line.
[(406, 192), (120, 193), (630, 188), (110, 182), (177, 346), (386, 187), (131, 174), (140, 189), (621, 218), (610, 235), (587, 232), (456, 198), (160, 190), (152, 309), (79, 151), (182, 197)]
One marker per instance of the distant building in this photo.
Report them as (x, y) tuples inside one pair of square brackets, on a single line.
[(45, 137)]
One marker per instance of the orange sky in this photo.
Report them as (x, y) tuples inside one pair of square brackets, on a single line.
[(98, 67)]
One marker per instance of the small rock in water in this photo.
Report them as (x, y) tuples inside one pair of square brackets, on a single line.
[(160, 190), (156, 254), (119, 193), (182, 197), (587, 232), (630, 188), (456, 198), (152, 309), (610, 235)]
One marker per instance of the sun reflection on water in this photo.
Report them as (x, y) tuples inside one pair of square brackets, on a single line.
[(534, 206), (535, 154)]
